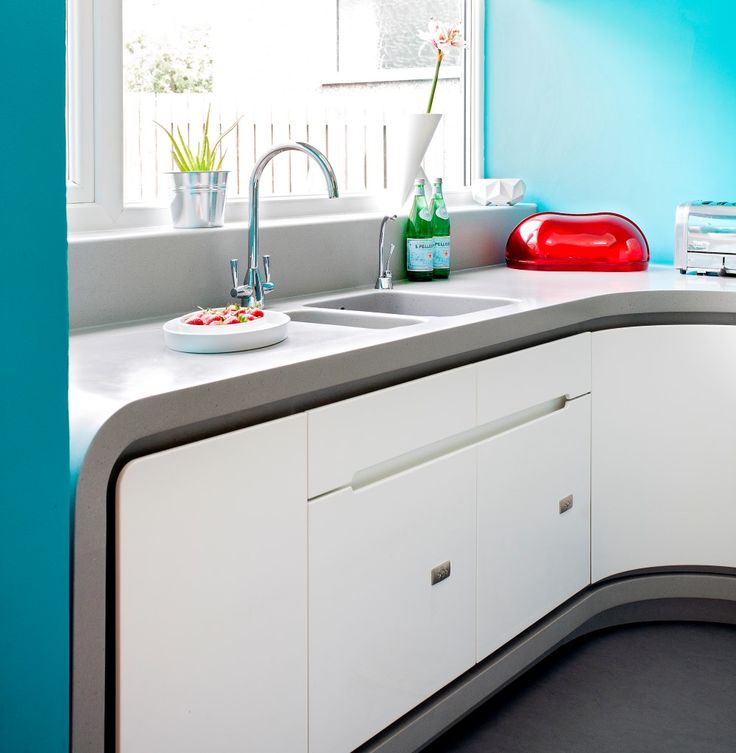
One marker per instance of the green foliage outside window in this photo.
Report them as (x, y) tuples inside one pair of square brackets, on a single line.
[(153, 66)]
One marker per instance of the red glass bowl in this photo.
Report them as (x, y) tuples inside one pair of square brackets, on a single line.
[(600, 242)]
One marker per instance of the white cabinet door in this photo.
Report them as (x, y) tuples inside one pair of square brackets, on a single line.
[(382, 638), (531, 556), (664, 447), (212, 595)]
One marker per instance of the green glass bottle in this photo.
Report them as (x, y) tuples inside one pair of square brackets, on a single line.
[(440, 232), (419, 238)]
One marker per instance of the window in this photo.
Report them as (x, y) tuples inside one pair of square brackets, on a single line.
[(336, 73)]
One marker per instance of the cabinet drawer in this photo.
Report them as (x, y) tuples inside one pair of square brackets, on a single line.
[(370, 429), (382, 638), (517, 381), (531, 556)]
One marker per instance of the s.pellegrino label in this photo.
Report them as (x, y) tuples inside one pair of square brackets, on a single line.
[(419, 254), (419, 238), (440, 233), (441, 258)]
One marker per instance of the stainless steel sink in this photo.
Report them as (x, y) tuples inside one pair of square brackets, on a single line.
[(351, 318), (410, 304)]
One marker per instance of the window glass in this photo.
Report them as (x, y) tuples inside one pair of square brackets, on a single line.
[(382, 34), (336, 73)]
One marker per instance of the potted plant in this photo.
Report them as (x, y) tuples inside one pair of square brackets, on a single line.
[(200, 184), (421, 127)]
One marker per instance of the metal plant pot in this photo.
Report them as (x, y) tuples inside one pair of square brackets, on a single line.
[(198, 198)]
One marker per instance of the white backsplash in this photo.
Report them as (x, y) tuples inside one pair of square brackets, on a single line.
[(117, 277)]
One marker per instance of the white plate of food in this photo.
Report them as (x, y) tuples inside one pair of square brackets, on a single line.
[(225, 330)]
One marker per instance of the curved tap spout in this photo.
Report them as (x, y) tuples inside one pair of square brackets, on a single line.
[(253, 279)]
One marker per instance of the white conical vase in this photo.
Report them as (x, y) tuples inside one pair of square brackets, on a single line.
[(413, 137)]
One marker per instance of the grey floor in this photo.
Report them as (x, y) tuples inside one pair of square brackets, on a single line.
[(662, 688)]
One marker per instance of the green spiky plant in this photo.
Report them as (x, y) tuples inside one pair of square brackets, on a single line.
[(204, 158)]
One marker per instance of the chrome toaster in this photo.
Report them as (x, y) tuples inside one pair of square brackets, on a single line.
[(705, 237)]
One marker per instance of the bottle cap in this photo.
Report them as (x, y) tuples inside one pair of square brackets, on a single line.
[(419, 182), (438, 180)]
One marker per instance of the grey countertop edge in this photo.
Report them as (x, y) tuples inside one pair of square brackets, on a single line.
[(164, 420)]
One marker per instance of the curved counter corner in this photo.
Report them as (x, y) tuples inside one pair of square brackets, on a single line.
[(129, 397)]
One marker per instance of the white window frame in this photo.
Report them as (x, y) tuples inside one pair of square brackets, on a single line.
[(79, 109), (375, 75), (100, 206)]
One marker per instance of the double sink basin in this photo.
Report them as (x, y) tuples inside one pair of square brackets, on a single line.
[(384, 309)]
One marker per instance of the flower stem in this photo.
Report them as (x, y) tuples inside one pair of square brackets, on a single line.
[(440, 55)]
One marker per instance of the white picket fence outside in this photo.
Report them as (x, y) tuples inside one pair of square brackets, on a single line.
[(355, 139)]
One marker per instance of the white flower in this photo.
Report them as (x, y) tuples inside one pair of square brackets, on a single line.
[(444, 36)]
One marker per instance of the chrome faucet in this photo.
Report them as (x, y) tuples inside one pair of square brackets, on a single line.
[(385, 280), (254, 288)]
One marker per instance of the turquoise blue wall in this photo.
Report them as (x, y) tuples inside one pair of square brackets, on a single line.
[(34, 462), (628, 106), (601, 105)]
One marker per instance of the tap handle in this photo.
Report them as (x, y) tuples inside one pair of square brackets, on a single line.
[(234, 271), (268, 286), (385, 280), (388, 259), (237, 290)]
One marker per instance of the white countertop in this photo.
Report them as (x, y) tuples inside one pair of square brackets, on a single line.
[(112, 367)]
